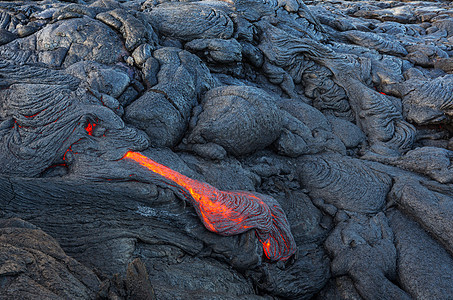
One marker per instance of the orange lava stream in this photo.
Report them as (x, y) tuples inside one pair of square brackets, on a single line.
[(243, 212), (201, 192)]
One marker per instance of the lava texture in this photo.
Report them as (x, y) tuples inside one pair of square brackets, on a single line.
[(341, 111), (232, 212)]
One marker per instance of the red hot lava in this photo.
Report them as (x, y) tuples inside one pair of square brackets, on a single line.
[(232, 212), (90, 127)]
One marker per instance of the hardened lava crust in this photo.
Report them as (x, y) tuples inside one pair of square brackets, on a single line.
[(237, 149)]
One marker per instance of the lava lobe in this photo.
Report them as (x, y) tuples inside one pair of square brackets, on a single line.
[(232, 212)]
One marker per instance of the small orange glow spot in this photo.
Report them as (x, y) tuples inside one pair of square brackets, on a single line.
[(231, 212), (90, 127), (380, 92), (267, 247)]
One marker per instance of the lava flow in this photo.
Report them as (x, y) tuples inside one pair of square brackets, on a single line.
[(232, 212), (90, 127)]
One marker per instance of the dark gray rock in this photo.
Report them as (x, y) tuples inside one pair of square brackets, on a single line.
[(425, 55), (342, 288), (445, 24), (104, 79), (214, 280), (150, 69), (376, 114), (300, 280), (200, 21), (349, 133), (320, 136), (381, 42), (279, 98), (121, 244), (142, 53), (133, 30), (309, 272), (426, 101), (73, 11), (429, 204), (163, 112), (422, 262), (226, 174), (135, 285), (219, 50), (252, 54), (362, 248), (241, 119), (431, 161), (344, 182), (387, 69), (6, 36), (53, 120), (32, 265), (82, 39)]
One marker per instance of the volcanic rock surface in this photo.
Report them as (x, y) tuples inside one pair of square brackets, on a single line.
[(313, 139)]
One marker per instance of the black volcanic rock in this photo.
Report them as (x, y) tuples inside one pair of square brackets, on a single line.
[(163, 111), (32, 265), (338, 110), (420, 257), (240, 119)]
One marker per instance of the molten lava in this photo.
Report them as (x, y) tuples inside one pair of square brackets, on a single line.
[(232, 212), (90, 127), (382, 93)]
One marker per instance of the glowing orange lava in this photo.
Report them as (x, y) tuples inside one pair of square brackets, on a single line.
[(90, 127), (32, 116), (232, 212), (382, 93)]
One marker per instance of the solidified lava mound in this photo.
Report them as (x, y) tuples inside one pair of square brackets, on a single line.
[(243, 149)]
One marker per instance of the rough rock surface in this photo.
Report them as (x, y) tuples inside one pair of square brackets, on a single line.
[(336, 115), (33, 265)]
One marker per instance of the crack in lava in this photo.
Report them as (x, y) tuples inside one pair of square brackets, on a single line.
[(232, 212)]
